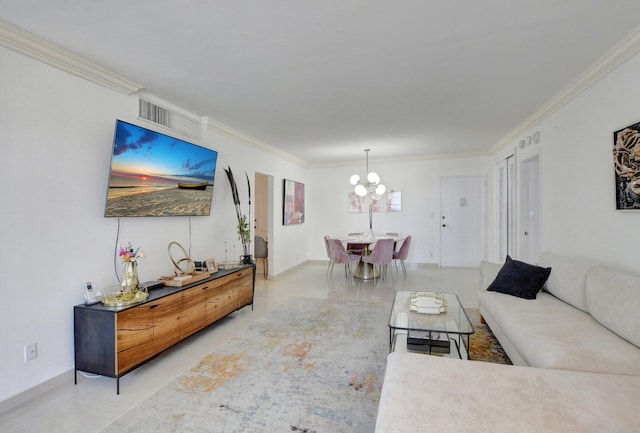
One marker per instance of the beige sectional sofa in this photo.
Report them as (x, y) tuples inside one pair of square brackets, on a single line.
[(576, 354), (587, 318)]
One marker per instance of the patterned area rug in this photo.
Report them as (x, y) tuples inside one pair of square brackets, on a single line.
[(309, 366), (484, 345)]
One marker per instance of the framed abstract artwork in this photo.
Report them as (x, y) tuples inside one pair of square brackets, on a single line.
[(293, 202), (626, 152), (356, 203), (390, 201), (393, 201)]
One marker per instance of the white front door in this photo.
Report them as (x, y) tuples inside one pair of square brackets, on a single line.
[(462, 232)]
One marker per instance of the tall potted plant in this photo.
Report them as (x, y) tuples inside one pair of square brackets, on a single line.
[(244, 230)]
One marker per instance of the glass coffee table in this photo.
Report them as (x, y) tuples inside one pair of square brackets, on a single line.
[(429, 333)]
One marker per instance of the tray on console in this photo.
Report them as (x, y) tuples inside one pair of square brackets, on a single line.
[(193, 277)]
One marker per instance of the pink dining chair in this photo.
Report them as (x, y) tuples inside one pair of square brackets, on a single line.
[(354, 247), (401, 255), (338, 254), (381, 255), (395, 243), (326, 246)]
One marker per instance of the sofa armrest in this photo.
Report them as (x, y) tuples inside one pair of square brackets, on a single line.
[(488, 273)]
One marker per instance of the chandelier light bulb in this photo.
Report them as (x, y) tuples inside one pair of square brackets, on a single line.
[(372, 180), (373, 177), (361, 190)]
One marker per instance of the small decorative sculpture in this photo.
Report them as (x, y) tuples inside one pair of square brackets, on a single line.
[(184, 265)]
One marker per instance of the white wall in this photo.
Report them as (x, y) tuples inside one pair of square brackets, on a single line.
[(56, 133), (577, 182), (419, 181)]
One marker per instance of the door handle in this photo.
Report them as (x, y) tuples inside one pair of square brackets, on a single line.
[(444, 225)]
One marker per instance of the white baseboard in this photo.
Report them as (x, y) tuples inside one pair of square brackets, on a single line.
[(35, 392), (407, 264)]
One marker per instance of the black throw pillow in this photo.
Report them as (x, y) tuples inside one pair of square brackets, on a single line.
[(519, 279)]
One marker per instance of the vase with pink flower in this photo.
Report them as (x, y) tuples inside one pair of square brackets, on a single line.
[(129, 290), (129, 282)]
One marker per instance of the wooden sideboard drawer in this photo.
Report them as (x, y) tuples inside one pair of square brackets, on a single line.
[(134, 327), (128, 359), (167, 329), (192, 317)]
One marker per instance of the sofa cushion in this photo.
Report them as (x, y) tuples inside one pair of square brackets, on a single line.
[(424, 393), (613, 299), (502, 336), (519, 279), (550, 333), (567, 280)]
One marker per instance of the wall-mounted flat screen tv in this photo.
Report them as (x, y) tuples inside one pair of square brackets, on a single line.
[(153, 174)]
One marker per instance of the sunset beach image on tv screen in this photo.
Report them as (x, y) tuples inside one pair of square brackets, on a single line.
[(153, 174)]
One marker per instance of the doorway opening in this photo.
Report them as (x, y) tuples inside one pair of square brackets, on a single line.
[(263, 221)]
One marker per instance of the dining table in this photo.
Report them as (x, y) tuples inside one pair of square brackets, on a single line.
[(366, 271)]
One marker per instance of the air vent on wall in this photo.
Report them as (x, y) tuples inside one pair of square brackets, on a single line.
[(169, 119)]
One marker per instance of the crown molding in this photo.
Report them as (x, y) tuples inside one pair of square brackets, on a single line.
[(223, 129), (620, 53), (426, 157), (26, 43)]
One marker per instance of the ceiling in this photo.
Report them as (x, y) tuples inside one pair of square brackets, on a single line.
[(321, 80)]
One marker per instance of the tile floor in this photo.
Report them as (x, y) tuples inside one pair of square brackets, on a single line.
[(93, 403)]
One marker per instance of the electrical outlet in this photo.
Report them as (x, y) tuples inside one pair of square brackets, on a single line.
[(30, 352)]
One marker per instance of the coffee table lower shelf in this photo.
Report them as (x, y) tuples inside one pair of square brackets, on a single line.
[(437, 334), (398, 341)]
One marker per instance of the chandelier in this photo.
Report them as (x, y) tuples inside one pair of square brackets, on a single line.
[(371, 183)]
